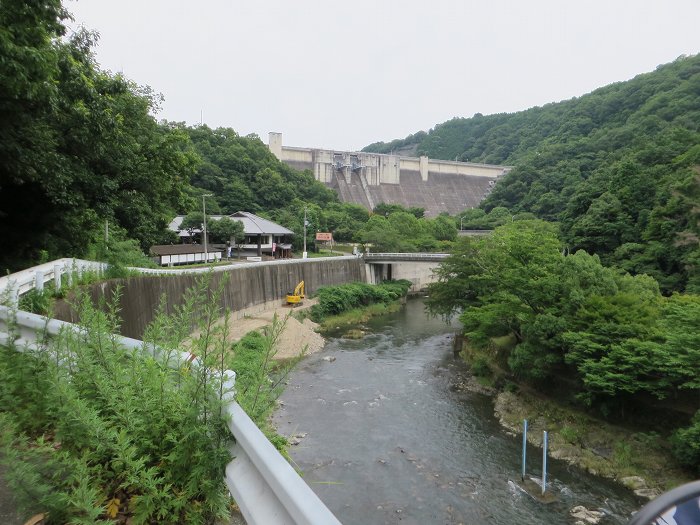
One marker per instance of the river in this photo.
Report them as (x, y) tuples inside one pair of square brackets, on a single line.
[(385, 438)]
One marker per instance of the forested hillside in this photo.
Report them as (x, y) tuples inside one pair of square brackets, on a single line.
[(583, 333), (81, 152), (242, 174), (78, 145), (617, 168), (81, 149)]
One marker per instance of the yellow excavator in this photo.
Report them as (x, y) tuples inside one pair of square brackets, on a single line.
[(294, 298)]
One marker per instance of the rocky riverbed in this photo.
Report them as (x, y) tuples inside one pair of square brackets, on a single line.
[(638, 461)]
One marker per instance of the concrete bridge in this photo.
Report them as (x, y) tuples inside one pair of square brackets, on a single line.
[(369, 179), (415, 267)]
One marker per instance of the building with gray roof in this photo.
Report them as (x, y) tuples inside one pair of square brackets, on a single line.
[(261, 236)]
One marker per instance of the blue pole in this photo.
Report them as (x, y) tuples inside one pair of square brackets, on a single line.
[(544, 463), (522, 473)]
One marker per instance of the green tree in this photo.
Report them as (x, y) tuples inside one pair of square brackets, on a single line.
[(615, 167), (224, 230), (193, 221), (443, 228), (81, 144)]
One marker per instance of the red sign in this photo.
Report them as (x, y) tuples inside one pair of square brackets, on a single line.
[(321, 236)]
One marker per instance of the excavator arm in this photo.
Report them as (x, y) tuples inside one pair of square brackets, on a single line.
[(297, 295), (299, 290)]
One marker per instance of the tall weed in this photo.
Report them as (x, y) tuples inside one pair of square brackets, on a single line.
[(93, 432), (259, 378)]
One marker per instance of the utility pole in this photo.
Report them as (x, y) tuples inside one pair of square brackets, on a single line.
[(304, 254), (204, 238)]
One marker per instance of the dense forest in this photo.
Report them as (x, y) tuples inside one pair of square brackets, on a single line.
[(79, 146), (571, 327), (616, 168)]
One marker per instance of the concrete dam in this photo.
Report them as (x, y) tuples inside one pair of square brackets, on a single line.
[(369, 179)]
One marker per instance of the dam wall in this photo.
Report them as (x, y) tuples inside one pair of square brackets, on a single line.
[(371, 178), (248, 288)]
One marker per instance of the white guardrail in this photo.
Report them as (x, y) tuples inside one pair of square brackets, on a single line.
[(265, 486), (19, 283)]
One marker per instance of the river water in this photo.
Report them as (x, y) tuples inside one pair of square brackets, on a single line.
[(384, 438)]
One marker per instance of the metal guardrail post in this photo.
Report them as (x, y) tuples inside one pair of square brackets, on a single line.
[(69, 275), (57, 276), (522, 473), (14, 295), (544, 461), (39, 281)]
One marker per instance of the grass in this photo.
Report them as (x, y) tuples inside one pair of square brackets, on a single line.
[(93, 432), (325, 253), (357, 316)]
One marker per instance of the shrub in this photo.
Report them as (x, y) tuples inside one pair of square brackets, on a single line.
[(686, 444), (570, 434), (481, 368), (334, 300), (93, 432), (37, 302), (623, 454)]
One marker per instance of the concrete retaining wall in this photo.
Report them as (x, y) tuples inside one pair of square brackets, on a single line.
[(249, 288)]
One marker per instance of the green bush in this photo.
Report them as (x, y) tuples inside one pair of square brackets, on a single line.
[(570, 434), (94, 433), (481, 368), (37, 302), (334, 300), (686, 444)]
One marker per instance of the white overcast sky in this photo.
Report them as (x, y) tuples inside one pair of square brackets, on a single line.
[(341, 75)]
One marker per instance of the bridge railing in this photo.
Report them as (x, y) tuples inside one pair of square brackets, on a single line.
[(405, 256), (266, 488)]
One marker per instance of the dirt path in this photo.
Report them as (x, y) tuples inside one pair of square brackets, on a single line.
[(295, 337)]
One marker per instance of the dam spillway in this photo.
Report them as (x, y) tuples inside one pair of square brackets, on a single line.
[(369, 179)]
